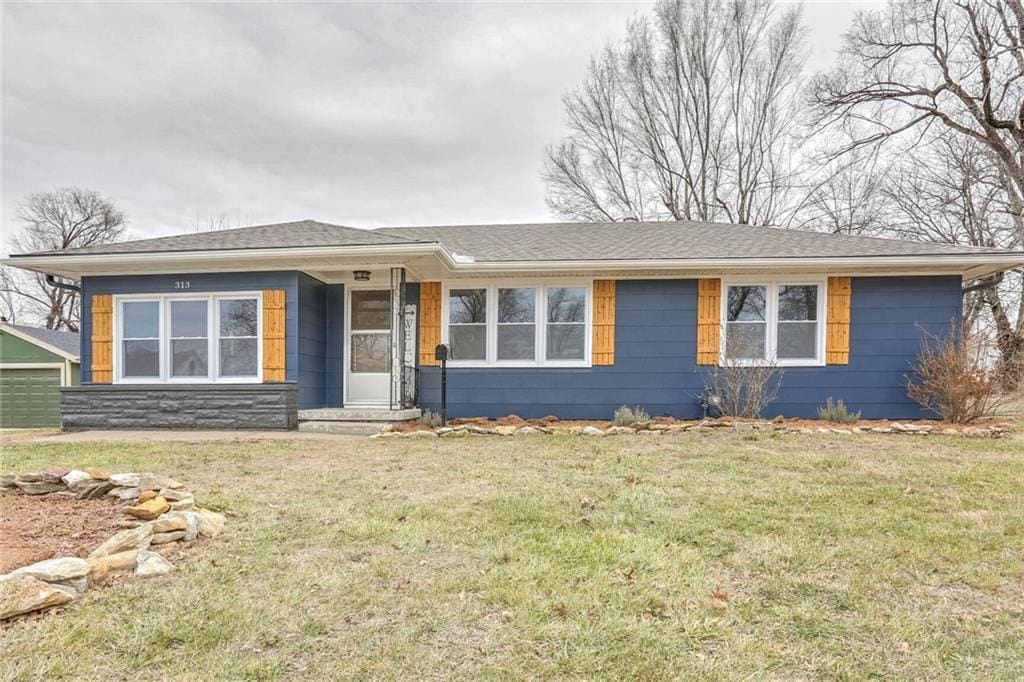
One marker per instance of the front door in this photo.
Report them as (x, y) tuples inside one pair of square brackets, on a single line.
[(368, 345)]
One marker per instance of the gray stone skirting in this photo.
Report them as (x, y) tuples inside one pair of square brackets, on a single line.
[(180, 406)]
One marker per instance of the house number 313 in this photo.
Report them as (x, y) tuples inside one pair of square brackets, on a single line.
[(182, 284)]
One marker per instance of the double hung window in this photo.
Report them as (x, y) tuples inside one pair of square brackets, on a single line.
[(774, 322)]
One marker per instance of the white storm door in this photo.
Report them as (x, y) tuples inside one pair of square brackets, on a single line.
[(368, 362)]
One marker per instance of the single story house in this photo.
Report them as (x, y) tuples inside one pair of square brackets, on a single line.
[(35, 364), (262, 326)]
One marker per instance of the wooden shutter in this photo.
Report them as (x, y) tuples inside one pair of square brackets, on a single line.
[(602, 351), (430, 322), (709, 320), (102, 339), (837, 333), (274, 351)]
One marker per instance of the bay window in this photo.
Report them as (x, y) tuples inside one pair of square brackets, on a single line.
[(517, 325), (774, 322), (194, 338)]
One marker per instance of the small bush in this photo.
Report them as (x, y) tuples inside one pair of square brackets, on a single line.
[(837, 412), (743, 391), (430, 419), (953, 379), (628, 416)]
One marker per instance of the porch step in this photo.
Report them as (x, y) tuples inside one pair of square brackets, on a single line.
[(358, 414), (345, 428)]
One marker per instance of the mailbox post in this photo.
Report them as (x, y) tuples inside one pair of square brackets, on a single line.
[(441, 355)]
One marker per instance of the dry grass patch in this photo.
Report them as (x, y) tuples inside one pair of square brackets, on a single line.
[(713, 555)]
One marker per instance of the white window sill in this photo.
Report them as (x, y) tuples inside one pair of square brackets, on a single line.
[(577, 364)]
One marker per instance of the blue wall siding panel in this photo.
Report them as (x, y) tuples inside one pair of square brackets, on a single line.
[(655, 359), (335, 339), (312, 342), (198, 283)]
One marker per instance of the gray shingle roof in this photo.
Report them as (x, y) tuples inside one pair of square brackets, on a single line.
[(66, 341), (660, 240), (553, 241), (278, 235)]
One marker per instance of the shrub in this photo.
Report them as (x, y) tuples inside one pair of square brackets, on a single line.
[(628, 416), (430, 419), (743, 391), (953, 379), (837, 412)]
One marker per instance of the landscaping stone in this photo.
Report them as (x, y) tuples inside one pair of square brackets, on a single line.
[(124, 493), (8, 481), (150, 509), (210, 523), (133, 538), (164, 538), (191, 520), (40, 487), (619, 430), (125, 480), (121, 561), (76, 587), (455, 433), (53, 570), (591, 431), (172, 495), (648, 432), (75, 478), (98, 474), (505, 429), (184, 504), (421, 434), (167, 524), (149, 564), (53, 474), (96, 489), (24, 594), (147, 495)]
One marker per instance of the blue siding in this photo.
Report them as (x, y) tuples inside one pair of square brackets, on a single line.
[(320, 343), (198, 283), (335, 330), (655, 359)]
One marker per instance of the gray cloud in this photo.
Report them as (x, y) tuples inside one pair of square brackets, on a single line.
[(364, 114)]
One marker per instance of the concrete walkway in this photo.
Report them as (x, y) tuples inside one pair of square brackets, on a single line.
[(12, 436)]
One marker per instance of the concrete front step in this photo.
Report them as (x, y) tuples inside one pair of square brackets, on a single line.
[(358, 414), (346, 428)]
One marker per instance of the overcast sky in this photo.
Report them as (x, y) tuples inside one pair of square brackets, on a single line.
[(360, 114)]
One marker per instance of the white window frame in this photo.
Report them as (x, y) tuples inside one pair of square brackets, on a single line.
[(213, 337), (540, 287), (772, 285)]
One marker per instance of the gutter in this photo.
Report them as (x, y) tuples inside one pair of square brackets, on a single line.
[(52, 281)]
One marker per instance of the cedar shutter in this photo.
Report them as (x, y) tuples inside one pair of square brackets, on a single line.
[(837, 332), (430, 322), (602, 349), (709, 320), (274, 351), (102, 339)]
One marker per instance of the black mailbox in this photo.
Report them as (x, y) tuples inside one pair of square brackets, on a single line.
[(441, 352)]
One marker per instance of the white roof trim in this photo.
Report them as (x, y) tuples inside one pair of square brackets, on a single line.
[(36, 342)]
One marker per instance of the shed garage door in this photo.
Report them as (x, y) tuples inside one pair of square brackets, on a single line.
[(29, 398)]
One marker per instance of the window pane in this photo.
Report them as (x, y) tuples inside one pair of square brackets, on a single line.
[(467, 306), (238, 357), (746, 304), (745, 341), (189, 357), (188, 318), (469, 342), (141, 358), (798, 302), (516, 342), (140, 320), (371, 353), (567, 304), (516, 305), (566, 341), (238, 317), (798, 340), (371, 310)]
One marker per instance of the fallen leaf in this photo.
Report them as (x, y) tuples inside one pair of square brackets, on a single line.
[(560, 610), (632, 479)]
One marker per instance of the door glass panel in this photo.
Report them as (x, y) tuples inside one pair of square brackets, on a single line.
[(370, 310), (370, 353)]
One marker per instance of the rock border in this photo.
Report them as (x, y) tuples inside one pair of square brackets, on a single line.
[(168, 518), (657, 429)]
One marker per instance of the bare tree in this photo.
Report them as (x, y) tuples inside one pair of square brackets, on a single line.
[(67, 218), (958, 65), (691, 117)]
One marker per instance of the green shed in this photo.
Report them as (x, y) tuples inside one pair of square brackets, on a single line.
[(34, 364)]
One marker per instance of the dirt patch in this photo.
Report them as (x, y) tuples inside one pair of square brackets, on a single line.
[(38, 527)]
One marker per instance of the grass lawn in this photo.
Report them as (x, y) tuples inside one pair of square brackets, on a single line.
[(832, 556)]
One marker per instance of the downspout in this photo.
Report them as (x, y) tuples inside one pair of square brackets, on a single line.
[(992, 281), (52, 281)]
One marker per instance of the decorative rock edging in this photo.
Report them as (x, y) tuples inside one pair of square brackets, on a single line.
[(656, 429), (169, 517)]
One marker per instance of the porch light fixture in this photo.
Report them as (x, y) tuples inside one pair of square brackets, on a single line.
[(361, 275)]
